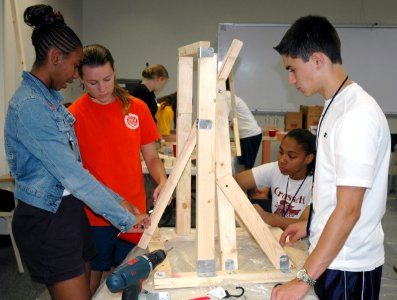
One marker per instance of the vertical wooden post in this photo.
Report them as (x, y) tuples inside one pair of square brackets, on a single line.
[(18, 37), (236, 133), (205, 214), (226, 216), (184, 123), (227, 229)]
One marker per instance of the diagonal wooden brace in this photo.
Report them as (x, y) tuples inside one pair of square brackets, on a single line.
[(169, 187), (255, 225)]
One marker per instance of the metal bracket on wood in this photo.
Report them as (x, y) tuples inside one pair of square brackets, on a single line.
[(229, 265), (146, 295), (206, 268), (204, 124), (284, 264)]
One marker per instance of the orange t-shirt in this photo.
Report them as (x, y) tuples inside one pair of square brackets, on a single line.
[(110, 143)]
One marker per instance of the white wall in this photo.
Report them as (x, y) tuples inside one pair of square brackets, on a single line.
[(137, 32), (151, 31)]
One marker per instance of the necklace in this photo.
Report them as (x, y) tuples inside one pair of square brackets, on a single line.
[(285, 208), (326, 110), (317, 137)]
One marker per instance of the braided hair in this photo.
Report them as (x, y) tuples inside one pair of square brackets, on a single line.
[(50, 31)]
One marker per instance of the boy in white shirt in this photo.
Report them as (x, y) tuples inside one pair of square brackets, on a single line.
[(350, 183)]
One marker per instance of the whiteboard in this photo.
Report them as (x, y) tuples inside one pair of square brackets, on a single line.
[(369, 55)]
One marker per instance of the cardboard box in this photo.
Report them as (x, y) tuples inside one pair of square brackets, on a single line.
[(311, 115), (293, 120)]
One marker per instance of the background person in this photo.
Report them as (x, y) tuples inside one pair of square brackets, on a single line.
[(249, 131), (290, 179), (350, 183), (113, 128), (166, 117), (49, 224), (155, 77)]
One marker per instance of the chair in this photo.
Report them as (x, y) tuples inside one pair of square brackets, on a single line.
[(7, 206)]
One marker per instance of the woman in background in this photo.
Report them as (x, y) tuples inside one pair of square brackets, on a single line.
[(166, 117), (49, 224), (113, 129), (155, 77), (249, 131), (290, 179)]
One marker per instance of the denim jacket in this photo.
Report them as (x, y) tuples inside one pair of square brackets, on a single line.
[(44, 157)]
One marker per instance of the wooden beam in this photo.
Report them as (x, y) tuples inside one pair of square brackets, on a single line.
[(227, 229), (255, 225), (205, 180), (225, 72), (236, 133), (190, 279), (169, 188), (230, 59), (296, 255), (18, 37), (226, 216), (193, 49), (184, 121)]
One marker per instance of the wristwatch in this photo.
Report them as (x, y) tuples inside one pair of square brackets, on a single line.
[(302, 275)]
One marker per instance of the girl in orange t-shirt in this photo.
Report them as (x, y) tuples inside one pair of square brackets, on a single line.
[(113, 128)]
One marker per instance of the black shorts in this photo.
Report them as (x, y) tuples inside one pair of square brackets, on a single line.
[(336, 284), (54, 246), (249, 150)]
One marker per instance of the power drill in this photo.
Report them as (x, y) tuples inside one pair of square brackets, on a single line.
[(129, 277)]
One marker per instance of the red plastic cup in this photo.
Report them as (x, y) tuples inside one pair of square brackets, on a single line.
[(272, 132)]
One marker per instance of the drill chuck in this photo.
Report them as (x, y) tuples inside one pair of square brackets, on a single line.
[(134, 272), (155, 258)]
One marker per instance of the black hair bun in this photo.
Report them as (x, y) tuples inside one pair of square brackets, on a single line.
[(41, 15)]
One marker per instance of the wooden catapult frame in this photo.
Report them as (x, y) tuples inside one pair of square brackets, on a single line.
[(218, 196)]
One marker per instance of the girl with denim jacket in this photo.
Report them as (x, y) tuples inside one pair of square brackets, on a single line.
[(49, 224)]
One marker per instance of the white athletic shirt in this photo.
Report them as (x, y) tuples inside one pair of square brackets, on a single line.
[(247, 124), (353, 150), (269, 175)]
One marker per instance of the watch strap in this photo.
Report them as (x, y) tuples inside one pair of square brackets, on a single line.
[(303, 276)]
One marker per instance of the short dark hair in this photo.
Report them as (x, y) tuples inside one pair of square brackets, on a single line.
[(308, 35), (50, 31)]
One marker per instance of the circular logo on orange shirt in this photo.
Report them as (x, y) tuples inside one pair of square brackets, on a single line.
[(132, 121)]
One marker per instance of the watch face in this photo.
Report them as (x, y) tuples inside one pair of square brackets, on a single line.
[(300, 274)]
